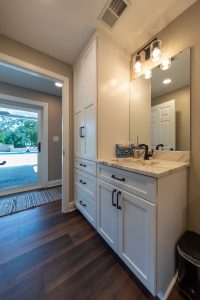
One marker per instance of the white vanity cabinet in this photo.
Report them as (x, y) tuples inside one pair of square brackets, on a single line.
[(127, 223), (142, 218)]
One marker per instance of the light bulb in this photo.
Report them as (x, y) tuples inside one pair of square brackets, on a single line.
[(148, 74), (155, 50), (166, 64), (138, 64)]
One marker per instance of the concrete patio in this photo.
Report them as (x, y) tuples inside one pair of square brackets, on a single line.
[(20, 170)]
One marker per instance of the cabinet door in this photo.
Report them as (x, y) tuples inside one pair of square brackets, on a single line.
[(89, 70), (136, 237), (90, 132), (78, 87), (107, 213), (79, 134)]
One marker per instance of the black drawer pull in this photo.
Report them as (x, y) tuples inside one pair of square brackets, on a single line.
[(82, 203), (118, 206), (120, 179), (83, 182), (82, 165), (113, 193)]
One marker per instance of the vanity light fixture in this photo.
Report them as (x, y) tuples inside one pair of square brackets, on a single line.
[(151, 50), (155, 50), (166, 64), (148, 74), (167, 81), (138, 64), (58, 84)]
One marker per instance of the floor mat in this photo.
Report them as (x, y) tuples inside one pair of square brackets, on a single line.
[(19, 202)]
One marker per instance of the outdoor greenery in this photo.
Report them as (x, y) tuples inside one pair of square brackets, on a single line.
[(19, 132)]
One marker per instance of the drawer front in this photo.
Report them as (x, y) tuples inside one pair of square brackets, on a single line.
[(137, 184), (86, 206), (86, 182), (85, 165)]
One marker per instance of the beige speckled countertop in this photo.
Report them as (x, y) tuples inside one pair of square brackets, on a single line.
[(153, 167)]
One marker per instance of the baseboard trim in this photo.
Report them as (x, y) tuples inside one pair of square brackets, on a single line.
[(71, 206), (169, 289), (54, 183)]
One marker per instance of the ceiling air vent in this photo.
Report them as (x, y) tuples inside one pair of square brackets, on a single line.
[(112, 11)]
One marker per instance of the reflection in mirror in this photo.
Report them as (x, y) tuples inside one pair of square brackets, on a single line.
[(160, 107)]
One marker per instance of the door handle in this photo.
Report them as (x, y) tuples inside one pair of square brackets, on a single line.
[(118, 206), (3, 163), (113, 194), (120, 179), (39, 147)]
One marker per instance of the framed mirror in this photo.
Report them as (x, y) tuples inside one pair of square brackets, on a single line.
[(160, 106)]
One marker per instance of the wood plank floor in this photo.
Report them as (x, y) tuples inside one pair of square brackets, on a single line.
[(45, 254)]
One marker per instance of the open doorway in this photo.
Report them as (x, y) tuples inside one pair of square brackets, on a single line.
[(26, 154)]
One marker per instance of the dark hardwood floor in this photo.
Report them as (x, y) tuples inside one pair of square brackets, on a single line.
[(45, 254)]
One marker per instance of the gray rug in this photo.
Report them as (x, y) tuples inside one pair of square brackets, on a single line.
[(19, 202)]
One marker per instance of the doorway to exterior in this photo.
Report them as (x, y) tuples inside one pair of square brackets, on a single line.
[(23, 148), (40, 72)]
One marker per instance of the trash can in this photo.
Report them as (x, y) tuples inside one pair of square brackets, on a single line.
[(189, 265)]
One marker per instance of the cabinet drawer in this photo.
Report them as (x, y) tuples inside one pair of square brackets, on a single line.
[(85, 165), (137, 184), (86, 182), (86, 206)]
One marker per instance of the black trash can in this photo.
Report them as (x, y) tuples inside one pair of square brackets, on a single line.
[(189, 265)]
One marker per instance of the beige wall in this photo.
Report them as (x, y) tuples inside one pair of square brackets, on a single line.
[(54, 124), (178, 35), (182, 105), (27, 54)]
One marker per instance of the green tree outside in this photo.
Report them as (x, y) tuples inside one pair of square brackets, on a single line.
[(18, 132)]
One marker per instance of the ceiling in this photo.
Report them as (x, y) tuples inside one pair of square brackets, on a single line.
[(61, 28), (179, 73), (26, 79)]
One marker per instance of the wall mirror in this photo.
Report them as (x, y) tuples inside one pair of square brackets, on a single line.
[(160, 106)]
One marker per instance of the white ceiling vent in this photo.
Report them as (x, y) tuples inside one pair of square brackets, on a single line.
[(112, 11)]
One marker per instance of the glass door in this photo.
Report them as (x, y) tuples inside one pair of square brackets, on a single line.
[(20, 147)]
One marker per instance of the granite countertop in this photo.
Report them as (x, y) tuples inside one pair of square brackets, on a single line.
[(155, 167)]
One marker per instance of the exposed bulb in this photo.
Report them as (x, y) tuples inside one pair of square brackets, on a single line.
[(148, 74), (155, 50), (166, 64), (138, 64)]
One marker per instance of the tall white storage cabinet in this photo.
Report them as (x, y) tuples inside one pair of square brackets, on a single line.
[(85, 77), (101, 113)]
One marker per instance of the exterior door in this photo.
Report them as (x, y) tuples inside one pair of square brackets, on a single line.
[(21, 147), (163, 125)]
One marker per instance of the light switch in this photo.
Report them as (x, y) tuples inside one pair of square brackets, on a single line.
[(56, 138)]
